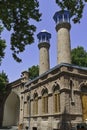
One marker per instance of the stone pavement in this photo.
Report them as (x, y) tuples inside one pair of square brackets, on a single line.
[(10, 128)]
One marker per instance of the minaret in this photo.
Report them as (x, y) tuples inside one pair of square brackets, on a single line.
[(44, 45), (62, 19)]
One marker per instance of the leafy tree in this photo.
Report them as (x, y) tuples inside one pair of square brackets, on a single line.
[(2, 46), (3, 93), (16, 16), (79, 56), (3, 82), (33, 71), (75, 7)]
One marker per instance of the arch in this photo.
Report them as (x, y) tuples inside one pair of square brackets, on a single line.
[(35, 95), (44, 91), (55, 87), (11, 110), (83, 87)]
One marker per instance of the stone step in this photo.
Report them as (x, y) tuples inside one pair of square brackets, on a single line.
[(9, 128)]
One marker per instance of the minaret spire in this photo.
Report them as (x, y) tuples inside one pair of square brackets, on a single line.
[(62, 19), (44, 45)]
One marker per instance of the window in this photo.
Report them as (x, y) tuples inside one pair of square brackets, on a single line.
[(35, 104), (43, 37), (47, 39), (60, 18), (56, 98), (56, 102), (45, 102), (66, 18), (39, 39)]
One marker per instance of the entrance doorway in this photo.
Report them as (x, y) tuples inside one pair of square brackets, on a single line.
[(34, 128), (11, 110), (84, 106)]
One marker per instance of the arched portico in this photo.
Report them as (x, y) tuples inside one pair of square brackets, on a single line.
[(11, 110)]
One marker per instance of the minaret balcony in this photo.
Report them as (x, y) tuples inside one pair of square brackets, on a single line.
[(62, 16), (44, 36)]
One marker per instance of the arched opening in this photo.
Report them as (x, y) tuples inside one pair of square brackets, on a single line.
[(56, 98), (84, 102), (45, 101), (35, 103), (11, 110)]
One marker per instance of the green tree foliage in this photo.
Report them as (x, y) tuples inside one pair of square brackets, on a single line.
[(79, 56), (3, 93), (3, 82), (75, 7), (17, 16), (2, 46), (33, 71)]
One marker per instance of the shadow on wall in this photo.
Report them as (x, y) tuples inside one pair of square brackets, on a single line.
[(65, 123)]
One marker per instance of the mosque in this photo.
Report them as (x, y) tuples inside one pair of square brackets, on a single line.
[(57, 98)]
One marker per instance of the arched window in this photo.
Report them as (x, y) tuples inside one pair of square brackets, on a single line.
[(35, 104), (56, 98), (45, 101), (28, 105)]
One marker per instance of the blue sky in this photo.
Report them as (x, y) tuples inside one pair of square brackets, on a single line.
[(31, 55)]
